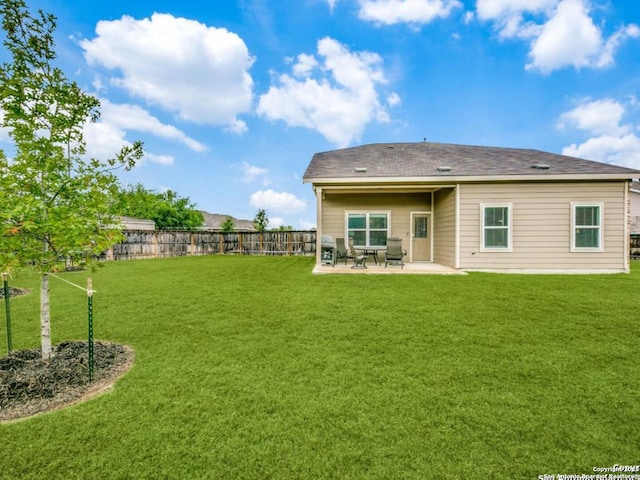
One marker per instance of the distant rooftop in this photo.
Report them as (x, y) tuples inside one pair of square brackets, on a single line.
[(214, 221)]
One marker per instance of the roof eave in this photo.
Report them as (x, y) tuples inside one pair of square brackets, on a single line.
[(468, 179)]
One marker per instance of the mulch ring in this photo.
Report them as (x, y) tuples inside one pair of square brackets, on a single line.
[(29, 386), (13, 292)]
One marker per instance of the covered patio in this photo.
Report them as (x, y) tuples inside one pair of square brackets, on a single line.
[(419, 268)]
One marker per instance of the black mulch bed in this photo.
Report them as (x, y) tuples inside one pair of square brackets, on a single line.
[(29, 386), (13, 292)]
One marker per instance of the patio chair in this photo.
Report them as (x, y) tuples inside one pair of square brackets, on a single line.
[(341, 250), (395, 253), (359, 261)]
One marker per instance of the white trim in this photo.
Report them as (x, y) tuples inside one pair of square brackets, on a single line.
[(319, 226), (429, 215), (437, 180), (367, 213), (600, 247), (548, 271), (626, 248), (457, 227), (509, 247), (432, 221)]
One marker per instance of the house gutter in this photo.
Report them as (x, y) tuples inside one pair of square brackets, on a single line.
[(437, 180)]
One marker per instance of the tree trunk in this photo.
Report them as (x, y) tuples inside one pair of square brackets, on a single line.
[(45, 325)]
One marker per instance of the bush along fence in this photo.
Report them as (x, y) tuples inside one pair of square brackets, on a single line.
[(159, 244)]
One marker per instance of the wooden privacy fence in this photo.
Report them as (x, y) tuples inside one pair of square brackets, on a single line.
[(635, 246), (159, 244)]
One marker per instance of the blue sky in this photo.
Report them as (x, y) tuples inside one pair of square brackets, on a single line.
[(232, 98)]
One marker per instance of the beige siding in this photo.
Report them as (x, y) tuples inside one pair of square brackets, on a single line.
[(541, 226), (444, 227), (398, 204)]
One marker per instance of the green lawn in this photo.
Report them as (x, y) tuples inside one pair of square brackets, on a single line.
[(252, 368)]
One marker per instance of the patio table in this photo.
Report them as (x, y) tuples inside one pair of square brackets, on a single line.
[(373, 250)]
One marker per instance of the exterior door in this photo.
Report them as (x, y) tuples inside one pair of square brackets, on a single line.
[(420, 238)]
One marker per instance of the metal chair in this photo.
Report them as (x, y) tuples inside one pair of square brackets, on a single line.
[(395, 253), (359, 261), (341, 250)]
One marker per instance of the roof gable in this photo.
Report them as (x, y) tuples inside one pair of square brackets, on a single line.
[(434, 160)]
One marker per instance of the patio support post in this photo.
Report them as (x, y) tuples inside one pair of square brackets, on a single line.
[(319, 229)]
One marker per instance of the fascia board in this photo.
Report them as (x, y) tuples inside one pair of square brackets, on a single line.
[(466, 179)]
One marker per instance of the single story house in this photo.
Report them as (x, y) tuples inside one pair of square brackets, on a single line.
[(214, 221), (477, 208), (133, 223)]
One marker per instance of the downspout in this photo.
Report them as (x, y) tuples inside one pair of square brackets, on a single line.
[(627, 229), (319, 200)]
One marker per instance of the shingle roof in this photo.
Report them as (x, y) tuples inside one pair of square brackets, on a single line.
[(426, 159), (214, 221)]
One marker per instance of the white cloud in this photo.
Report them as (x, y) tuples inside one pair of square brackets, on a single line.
[(562, 32), (104, 138), (611, 141), (389, 12), (394, 99), (468, 17), (104, 141), (597, 117), (4, 132), (569, 38), (251, 172), (277, 201), (332, 4), (276, 222), (338, 102), (305, 65), (166, 160), (306, 225), (199, 72), (624, 151), (133, 117), (508, 15)]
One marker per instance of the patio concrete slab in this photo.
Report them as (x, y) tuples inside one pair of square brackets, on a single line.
[(423, 268)]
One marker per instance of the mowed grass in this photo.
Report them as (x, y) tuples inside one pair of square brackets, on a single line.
[(252, 368)]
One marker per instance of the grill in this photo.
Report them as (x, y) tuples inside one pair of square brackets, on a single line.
[(328, 250)]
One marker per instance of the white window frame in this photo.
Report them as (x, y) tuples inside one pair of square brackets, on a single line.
[(599, 227), (483, 227), (367, 231)]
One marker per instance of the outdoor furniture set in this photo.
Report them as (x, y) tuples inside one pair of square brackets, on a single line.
[(393, 253)]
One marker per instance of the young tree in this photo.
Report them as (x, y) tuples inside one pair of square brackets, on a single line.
[(56, 203), (228, 225), (166, 209), (261, 221)]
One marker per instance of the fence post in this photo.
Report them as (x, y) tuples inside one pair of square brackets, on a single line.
[(154, 245), (5, 281)]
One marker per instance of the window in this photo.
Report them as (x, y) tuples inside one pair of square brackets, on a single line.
[(496, 227), (420, 226), (368, 229), (587, 227)]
